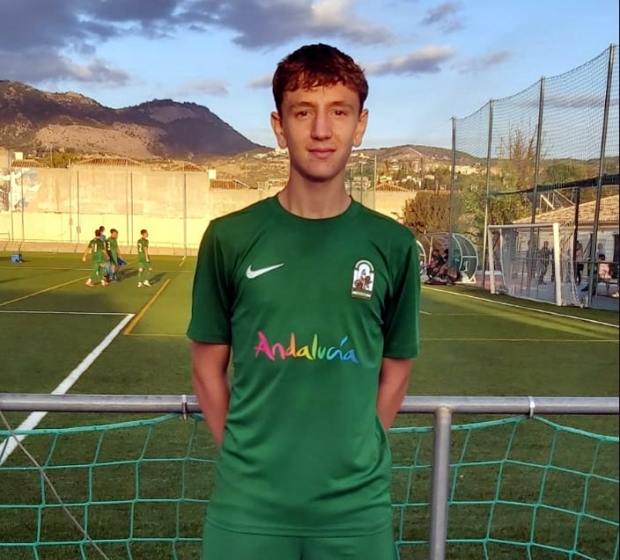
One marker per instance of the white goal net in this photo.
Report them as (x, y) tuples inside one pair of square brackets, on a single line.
[(533, 261)]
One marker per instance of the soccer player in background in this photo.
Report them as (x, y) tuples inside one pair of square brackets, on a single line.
[(96, 248), (144, 260), (321, 366), (113, 255), (102, 233)]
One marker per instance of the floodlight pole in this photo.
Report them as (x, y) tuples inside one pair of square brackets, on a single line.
[(599, 180)]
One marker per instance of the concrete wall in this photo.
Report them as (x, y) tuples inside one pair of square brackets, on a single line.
[(390, 202), (63, 207)]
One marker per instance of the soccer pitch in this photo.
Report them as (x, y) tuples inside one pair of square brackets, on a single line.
[(520, 488)]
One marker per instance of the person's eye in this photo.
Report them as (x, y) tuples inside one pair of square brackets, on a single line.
[(301, 114)]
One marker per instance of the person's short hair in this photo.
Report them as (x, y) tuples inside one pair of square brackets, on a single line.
[(101, 228), (317, 65), (142, 231), (113, 231), (97, 233)]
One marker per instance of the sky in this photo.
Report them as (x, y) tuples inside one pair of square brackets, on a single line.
[(426, 61)]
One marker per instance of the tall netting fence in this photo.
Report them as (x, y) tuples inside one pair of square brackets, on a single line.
[(469, 185), (551, 157), (518, 488)]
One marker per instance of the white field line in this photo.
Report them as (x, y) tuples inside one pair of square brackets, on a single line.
[(543, 311), (62, 312), (424, 312), (9, 445)]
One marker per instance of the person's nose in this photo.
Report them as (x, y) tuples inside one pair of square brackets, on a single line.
[(321, 126)]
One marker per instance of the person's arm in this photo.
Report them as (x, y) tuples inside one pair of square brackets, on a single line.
[(393, 384), (210, 381), (86, 253)]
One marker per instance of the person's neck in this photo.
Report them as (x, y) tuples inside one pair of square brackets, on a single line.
[(314, 201)]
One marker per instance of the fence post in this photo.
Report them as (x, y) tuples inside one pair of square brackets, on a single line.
[(441, 482), (10, 193), (452, 187), (541, 106), (131, 212), (127, 226), (486, 198), (184, 212), (599, 182), (78, 227), (23, 209)]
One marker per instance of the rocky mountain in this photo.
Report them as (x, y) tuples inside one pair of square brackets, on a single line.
[(32, 119)]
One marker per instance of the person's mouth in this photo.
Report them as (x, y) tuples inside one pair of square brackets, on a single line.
[(322, 153)]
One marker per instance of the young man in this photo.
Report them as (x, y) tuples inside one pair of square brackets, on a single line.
[(144, 260), (321, 367), (113, 255), (96, 248)]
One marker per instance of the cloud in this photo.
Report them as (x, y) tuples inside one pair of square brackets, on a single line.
[(262, 82), (69, 30), (445, 16), (268, 23), (427, 60), (479, 64), (206, 87), (40, 66)]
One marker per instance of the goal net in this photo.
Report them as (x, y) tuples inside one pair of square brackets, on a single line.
[(533, 261)]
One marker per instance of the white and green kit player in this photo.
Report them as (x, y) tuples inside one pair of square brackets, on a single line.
[(144, 260), (317, 300)]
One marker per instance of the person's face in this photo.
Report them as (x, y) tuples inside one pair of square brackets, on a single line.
[(114, 235), (320, 126)]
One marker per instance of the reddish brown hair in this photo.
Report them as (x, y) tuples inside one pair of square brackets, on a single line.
[(316, 66)]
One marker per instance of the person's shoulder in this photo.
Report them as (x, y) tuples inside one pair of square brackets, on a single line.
[(247, 216), (381, 225)]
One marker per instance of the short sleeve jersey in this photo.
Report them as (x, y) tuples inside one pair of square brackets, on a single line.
[(143, 245), (310, 308), (96, 248), (112, 245)]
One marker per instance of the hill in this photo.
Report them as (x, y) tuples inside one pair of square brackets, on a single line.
[(32, 119)]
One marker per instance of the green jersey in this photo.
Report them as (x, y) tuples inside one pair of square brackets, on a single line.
[(310, 308), (112, 245), (143, 246), (97, 249)]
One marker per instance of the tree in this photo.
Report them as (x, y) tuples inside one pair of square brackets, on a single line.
[(428, 212)]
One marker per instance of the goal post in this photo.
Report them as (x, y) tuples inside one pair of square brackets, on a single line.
[(533, 261)]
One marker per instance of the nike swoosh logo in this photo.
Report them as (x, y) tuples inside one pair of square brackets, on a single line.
[(251, 274)]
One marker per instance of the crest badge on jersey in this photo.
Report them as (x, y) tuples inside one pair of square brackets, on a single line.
[(363, 279)]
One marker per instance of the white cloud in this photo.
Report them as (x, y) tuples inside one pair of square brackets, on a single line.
[(427, 60), (215, 88), (446, 16), (479, 64), (262, 82)]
